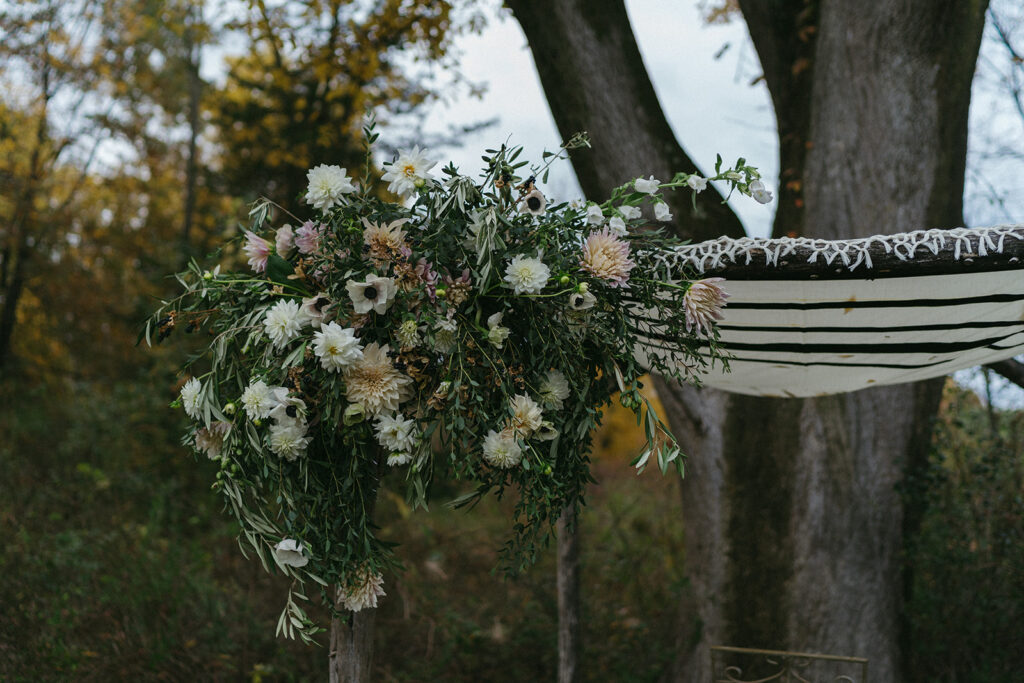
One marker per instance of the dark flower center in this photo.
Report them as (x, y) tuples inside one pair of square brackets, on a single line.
[(291, 411), (533, 203), (370, 292), (320, 303)]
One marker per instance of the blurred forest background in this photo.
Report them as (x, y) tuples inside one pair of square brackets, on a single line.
[(118, 163)]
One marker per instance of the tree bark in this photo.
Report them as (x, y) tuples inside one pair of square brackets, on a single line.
[(351, 655), (568, 595), (794, 526)]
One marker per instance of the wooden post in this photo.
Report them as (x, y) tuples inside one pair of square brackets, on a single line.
[(351, 654), (568, 595)]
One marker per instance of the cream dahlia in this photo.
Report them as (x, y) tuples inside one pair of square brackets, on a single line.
[(526, 415), (607, 257), (363, 592), (375, 383), (385, 240)]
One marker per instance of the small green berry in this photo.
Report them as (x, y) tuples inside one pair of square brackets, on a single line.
[(441, 292), (582, 288), (564, 280)]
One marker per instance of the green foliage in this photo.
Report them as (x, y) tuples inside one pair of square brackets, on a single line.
[(967, 562), (464, 350)]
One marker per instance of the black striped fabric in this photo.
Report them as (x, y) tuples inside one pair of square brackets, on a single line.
[(812, 334)]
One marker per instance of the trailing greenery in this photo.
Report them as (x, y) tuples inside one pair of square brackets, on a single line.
[(467, 331)]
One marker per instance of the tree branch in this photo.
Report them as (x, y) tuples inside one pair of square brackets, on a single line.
[(1011, 369)]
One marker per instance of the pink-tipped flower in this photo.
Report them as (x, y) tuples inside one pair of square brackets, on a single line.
[(428, 276), (307, 238), (257, 250), (607, 257), (703, 302), (284, 241)]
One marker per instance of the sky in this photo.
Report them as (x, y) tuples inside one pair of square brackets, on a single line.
[(679, 52)]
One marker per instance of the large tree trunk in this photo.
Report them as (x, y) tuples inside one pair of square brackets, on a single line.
[(351, 654), (793, 520)]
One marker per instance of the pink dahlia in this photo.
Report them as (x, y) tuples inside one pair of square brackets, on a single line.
[(607, 257), (307, 238), (257, 250), (703, 302)]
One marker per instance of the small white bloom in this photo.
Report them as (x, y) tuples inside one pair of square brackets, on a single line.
[(288, 553), (399, 459), (649, 186), (283, 322), (288, 439), (409, 171), (258, 400), (617, 226), (501, 450), (408, 333), (661, 212), (594, 214), (497, 336), (581, 301), (759, 192), (630, 212), (697, 184), (494, 319), (734, 175), (327, 186), (396, 433), (533, 203), (554, 389), (526, 275), (336, 347), (375, 293), (287, 408), (190, 398), (546, 431), (354, 414), (315, 309)]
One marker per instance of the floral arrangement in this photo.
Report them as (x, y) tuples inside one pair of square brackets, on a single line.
[(470, 329)]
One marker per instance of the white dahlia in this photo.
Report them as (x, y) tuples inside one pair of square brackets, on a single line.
[(409, 171), (554, 389), (336, 347), (396, 433), (288, 439), (258, 400), (501, 449), (190, 398), (327, 186), (526, 275), (375, 383), (283, 322)]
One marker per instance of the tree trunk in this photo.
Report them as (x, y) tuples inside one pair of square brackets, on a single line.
[(568, 595), (351, 655), (794, 526)]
